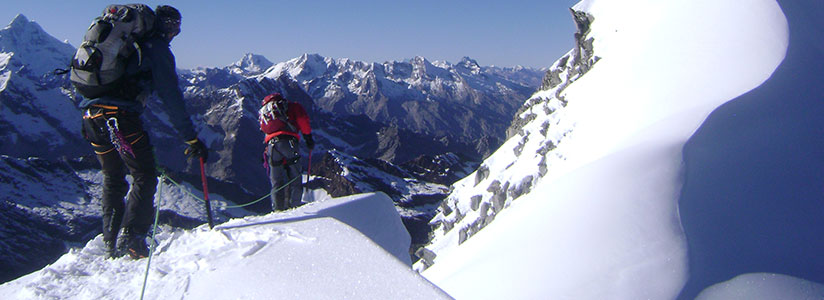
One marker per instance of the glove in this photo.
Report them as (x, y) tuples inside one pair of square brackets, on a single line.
[(309, 141), (196, 149)]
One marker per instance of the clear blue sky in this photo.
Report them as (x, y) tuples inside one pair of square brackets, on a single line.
[(531, 33)]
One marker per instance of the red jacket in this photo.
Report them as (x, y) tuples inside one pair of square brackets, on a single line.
[(273, 126)]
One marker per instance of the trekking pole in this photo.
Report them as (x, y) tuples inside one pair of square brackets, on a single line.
[(206, 195)]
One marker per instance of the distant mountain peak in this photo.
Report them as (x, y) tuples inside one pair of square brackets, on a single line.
[(19, 26), (466, 60), (251, 59), (419, 60), (32, 46), (251, 64), (311, 59), (19, 20), (312, 56), (305, 66), (470, 64)]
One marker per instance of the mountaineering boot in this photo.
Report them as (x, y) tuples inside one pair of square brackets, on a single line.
[(133, 244), (111, 249), (138, 248), (111, 216), (279, 204)]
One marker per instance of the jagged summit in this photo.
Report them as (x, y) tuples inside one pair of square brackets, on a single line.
[(313, 62), (470, 64), (16, 30), (32, 46), (19, 20), (311, 57), (418, 60), (19, 30), (251, 64), (467, 61)]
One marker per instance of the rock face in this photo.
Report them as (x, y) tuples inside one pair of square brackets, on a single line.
[(539, 126)]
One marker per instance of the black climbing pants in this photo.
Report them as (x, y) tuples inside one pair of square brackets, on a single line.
[(284, 166), (135, 215)]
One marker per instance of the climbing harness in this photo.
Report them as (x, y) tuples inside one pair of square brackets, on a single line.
[(117, 138)]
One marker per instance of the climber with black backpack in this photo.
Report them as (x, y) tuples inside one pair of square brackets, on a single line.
[(284, 122), (124, 58)]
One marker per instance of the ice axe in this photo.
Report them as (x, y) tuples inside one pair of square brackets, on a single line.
[(206, 194)]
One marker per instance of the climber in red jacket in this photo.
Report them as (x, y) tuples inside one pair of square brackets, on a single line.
[(284, 122)]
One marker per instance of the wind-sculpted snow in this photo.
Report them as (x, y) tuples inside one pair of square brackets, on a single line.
[(49, 205), (353, 247)]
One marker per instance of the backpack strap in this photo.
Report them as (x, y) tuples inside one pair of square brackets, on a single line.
[(270, 111), (282, 112)]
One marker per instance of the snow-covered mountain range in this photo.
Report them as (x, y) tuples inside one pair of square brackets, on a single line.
[(464, 102)]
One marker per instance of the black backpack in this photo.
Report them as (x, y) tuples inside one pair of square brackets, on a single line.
[(99, 65)]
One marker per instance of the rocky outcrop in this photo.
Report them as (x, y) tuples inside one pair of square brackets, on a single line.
[(565, 71)]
